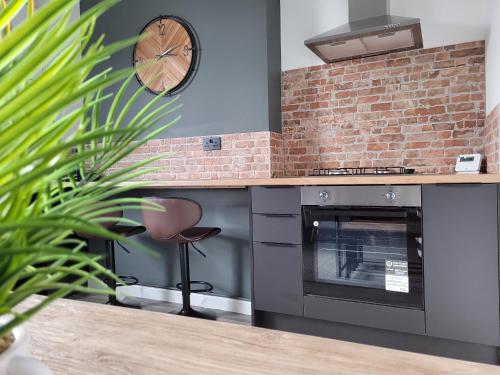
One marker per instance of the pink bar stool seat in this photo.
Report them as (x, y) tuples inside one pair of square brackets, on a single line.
[(177, 224)]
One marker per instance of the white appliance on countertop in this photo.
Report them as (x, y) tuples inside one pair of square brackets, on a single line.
[(468, 164)]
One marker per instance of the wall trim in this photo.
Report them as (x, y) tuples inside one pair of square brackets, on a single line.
[(208, 301)]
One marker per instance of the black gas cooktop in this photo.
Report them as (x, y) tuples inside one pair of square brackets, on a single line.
[(362, 171)]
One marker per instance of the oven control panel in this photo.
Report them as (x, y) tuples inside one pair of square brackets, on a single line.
[(324, 196), (391, 196), (381, 196)]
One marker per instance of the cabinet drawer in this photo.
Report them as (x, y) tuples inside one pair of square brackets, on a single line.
[(277, 229), (276, 200), (365, 314), (277, 278)]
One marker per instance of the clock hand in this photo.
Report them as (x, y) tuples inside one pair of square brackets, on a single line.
[(158, 57), (173, 48), (167, 52)]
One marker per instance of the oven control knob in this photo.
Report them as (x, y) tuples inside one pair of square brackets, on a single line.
[(323, 196), (391, 196)]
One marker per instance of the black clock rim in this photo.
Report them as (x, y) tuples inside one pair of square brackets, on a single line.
[(193, 68)]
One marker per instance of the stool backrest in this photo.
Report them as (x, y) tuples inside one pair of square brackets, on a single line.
[(179, 215), (106, 224), (115, 214)]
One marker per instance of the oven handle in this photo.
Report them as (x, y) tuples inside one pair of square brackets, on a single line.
[(374, 214)]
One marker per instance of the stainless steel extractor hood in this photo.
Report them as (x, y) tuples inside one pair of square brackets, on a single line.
[(370, 31)]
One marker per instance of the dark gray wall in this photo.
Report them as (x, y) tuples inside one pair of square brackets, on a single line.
[(227, 265), (274, 64), (237, 86)]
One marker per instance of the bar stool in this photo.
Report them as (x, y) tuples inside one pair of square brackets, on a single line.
[(177, 225), (109, 248)]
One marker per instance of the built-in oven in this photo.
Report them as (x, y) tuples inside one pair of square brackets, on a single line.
[(364, 244)]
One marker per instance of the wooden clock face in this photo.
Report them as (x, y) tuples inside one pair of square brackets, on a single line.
[(166, 54)]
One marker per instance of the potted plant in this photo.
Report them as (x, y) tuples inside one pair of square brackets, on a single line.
[(55, 150)]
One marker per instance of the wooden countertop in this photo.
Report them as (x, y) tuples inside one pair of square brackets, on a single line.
[(79, 338), (336, 180)]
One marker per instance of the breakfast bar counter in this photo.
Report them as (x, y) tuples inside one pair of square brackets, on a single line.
[(415, 179), (81, 338)]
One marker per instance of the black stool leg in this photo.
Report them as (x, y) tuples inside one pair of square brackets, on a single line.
[(111, 265), (112, 298), (187, 310), (185, 280)]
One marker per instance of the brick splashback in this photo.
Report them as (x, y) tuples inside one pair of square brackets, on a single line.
[(491, 143), (418, 109), (245, 155)]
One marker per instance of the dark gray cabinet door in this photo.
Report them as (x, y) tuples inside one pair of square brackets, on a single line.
[(278, 278), (277, 229), (461, 265), (276, 200)]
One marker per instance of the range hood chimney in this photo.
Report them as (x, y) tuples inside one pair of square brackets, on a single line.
[(370, 31)]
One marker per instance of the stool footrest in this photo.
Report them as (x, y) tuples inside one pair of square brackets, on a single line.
[(207, 287), (129, 280)]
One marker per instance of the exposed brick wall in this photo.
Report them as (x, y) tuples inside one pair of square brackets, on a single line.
[(491, 143), (277, 155), (246, 155), (418, 108)]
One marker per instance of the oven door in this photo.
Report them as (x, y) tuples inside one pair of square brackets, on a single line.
[(368, 254)]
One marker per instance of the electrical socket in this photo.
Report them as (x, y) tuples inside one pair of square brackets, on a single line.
[(212, 143)]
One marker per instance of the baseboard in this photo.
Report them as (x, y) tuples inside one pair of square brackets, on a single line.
[(207, 301)]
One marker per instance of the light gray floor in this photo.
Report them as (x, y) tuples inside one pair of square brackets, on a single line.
[(169, 308)]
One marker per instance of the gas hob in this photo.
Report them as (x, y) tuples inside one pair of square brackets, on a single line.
[(370, 171)]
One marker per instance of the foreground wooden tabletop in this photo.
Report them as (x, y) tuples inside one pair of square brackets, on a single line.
[(79, 338)]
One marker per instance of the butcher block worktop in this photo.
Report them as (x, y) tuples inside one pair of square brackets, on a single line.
[(81, 338), (334, 180)]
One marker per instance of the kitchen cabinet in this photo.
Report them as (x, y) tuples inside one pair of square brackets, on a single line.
[(277, 228), (276, 200), (277, 250), (365, 314), (461, 262), (460, 225), (278, 278)]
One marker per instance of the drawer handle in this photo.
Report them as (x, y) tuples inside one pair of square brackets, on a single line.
[(279, 215), (276, 244)]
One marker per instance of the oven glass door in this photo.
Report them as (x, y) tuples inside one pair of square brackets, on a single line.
[(369, 254)]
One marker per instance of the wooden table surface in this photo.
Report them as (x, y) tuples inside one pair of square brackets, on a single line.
[(417, 179), (80, 338)]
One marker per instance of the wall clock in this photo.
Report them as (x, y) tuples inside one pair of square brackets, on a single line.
[(167, 54)]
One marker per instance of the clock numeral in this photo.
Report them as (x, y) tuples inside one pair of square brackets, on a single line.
[(161, 27), (187, 50), (139, 60)]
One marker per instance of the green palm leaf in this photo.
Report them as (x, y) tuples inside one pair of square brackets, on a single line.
[(47, 64)]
